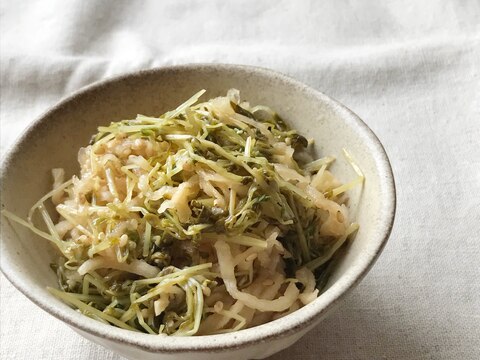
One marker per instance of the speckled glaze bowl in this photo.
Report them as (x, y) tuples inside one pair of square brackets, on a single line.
[(53, 140)]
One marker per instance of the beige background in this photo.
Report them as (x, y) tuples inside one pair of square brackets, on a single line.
[(410, 69)]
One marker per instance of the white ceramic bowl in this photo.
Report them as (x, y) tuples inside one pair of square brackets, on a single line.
[(54, 139)]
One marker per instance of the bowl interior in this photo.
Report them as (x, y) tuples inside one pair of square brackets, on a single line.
[(55, 139)]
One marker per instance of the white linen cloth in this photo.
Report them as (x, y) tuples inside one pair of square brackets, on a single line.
[(410, 69)]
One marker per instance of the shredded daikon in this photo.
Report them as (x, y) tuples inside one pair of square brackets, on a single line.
[(208, 219)]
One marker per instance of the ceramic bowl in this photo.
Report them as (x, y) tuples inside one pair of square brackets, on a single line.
[(53, 140)]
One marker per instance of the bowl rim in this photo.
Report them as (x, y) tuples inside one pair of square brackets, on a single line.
[(303, 318)]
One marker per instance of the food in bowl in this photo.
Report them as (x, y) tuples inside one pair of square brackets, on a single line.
[(208, 219)]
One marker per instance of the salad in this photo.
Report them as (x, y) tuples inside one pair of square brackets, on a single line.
[(211, 218)]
